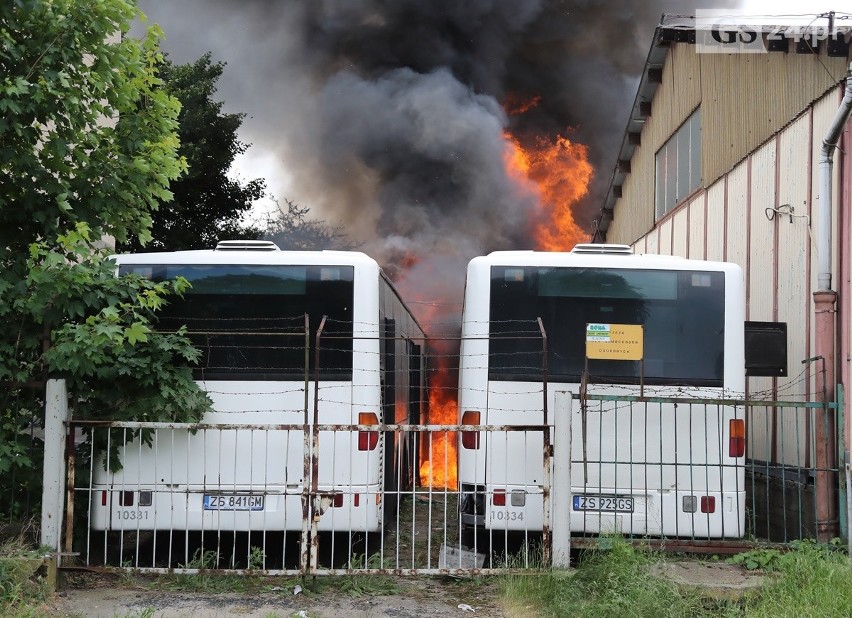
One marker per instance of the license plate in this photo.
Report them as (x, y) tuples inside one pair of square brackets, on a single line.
[(611, 504), (233, 502)]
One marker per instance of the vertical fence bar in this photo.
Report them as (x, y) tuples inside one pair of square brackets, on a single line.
[(561, 496), (305, 554), (848, 509), (314, 500), (547, 451), (842, 462)]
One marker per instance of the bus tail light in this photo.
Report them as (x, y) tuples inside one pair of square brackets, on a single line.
[(499, 497), (736, 441), (368, 440), (470, 439)]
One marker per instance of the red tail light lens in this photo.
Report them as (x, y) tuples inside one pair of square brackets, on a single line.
[(736, 441), (368, 440), (708, 504), (470, 439), (499, 497)]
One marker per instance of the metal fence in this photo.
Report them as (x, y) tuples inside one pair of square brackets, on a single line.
[(163, 523), (141, 525), (779, 479)]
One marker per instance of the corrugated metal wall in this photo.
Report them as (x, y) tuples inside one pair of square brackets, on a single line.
[(744, 99), (677, 97), (742, 217)]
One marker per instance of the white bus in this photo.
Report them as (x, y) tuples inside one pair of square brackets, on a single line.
[(254, 312), (652, 452)]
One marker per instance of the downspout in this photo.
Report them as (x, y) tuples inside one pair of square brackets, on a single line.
[(825, 300)]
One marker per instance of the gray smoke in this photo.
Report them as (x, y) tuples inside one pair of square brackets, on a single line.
[(387, 116)]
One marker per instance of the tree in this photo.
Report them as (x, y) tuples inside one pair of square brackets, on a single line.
[(88, 146), (207, 205), (290, 228)]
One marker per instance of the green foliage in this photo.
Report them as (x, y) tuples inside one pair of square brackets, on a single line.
[(765, 559), (203, 560), (207, 204), (88, 147), (21, 463), (361, 585), (86, 134), (22, 588), (813, 579), (257, 558), (611, 582), (772, 560)]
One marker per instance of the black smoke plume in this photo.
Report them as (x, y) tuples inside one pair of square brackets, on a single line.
[(387, 116)]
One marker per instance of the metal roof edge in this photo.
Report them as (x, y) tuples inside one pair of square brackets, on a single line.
[(671, 29), (644, 94)]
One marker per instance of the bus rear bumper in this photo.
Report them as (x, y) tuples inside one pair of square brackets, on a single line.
[(678, 514), (269, 509)]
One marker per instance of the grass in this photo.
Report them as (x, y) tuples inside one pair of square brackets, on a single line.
[(23, 591), (616, 582), (813, 580), (810, 580)]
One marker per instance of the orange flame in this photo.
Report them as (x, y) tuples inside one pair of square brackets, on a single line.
[(440, 469), (516, 104), (559, 172)]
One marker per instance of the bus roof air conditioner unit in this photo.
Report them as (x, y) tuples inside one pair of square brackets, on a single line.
[(598, 248), (246, 245)]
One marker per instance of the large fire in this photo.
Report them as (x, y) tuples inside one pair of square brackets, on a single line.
[(559, 172), (441, 467)]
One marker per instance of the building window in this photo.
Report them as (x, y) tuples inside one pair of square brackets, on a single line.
[(679, 165)]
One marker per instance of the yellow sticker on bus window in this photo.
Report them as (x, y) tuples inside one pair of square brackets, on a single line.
[(614, 341)]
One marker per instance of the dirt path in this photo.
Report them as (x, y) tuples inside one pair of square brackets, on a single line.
[(405, 598)]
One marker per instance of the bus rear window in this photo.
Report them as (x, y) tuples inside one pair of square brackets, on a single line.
[(248, 321), (682, 313)]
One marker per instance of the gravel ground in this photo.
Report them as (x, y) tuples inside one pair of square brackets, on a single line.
[(410, 598), (336, 597)]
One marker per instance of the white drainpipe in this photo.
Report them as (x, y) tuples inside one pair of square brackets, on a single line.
[(826, 161)]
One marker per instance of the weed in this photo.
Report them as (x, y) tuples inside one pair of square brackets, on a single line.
[(203, 560), (257, 558), (813, 579), (22, 589), (615, 581), (758, 559), (360, 585), (362, 561)]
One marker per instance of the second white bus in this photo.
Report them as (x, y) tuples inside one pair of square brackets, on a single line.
[(658, 465)]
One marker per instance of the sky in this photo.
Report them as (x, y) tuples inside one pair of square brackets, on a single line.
[(392, 118)]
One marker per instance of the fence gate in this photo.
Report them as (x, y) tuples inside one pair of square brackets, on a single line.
[(165, 497)]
